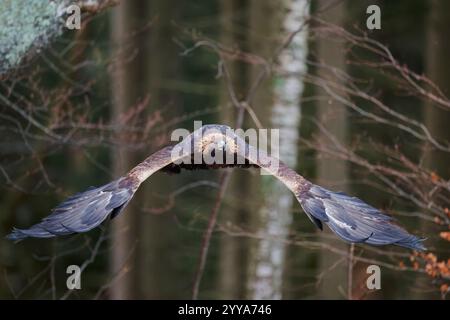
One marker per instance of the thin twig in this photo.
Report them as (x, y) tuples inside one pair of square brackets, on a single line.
[(351, 251), (225, 177)]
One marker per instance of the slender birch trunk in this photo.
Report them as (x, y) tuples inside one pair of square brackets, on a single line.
[(266, 280)]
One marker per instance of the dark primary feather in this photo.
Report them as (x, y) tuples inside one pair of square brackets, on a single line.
[(354, 220), (81, 212)]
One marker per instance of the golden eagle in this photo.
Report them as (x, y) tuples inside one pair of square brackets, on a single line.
[(350, 218)]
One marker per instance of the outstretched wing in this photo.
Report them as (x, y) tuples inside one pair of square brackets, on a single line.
[(350, 218), (354, 220), (81, 212), (86, 210)]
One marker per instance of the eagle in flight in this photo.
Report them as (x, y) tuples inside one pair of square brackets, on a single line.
[(350, 218)]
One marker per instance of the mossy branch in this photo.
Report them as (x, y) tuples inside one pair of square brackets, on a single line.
[(26, 26)]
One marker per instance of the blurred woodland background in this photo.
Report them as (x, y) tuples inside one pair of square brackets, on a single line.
[(362, 111)]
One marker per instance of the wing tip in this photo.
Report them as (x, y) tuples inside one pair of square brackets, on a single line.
[(415, 243), (355, 221), (81, 212), (16, 235)]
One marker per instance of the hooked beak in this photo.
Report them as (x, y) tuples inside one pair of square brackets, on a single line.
[(221, 144)]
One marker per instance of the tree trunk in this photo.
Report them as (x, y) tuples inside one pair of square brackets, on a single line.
[(123, 91), (437, 69), (233, 261), (159, 271), (275, 215), (331, 172), (141, 239)]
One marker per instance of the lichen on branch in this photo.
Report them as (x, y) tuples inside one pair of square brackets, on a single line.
[(28, 25)]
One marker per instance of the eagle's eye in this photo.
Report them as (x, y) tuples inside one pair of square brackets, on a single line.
[(221, 144)]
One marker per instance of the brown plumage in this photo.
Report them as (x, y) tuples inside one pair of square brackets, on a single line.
[(349, 217)]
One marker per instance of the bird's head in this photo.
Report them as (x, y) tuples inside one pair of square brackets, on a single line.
[(213, 142), (217, 138)]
